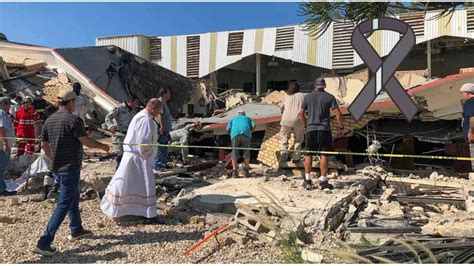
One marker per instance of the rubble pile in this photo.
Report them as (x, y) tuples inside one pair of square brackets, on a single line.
[(13, 66), (275, 97), (54, 86), (236, 99), (453, 223)]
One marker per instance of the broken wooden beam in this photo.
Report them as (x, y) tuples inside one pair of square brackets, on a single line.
[(385, 230), (422, 182), (429, 200)]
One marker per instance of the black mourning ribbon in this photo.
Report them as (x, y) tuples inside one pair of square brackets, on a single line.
[(383, 69)]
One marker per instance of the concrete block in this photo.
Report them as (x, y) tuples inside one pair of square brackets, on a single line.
[(469, 198), (311, 256), (249, 221)]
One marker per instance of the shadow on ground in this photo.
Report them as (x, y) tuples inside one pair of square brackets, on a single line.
[(76, 255)]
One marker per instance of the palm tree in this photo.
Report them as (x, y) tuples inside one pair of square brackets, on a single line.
[(319, 15)]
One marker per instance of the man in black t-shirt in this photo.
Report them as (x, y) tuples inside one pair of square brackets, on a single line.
[(62, 138), (316, 115)]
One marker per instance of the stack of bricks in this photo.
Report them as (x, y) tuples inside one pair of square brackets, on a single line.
[(272, 139), (54, 86)]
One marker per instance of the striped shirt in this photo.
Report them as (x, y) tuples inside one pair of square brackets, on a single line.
[(62, 130)]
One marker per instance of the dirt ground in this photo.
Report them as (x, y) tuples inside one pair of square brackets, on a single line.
[(23, 224), (23, 218)]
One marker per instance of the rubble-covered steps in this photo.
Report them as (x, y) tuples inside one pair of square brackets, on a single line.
[(316, 206)]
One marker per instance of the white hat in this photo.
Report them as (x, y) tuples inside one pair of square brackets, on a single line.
[(467, 87)]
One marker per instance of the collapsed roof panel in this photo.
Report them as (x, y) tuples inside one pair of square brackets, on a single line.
[(119, 74)]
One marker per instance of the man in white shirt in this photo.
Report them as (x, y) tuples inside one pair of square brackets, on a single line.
[(291, 122)]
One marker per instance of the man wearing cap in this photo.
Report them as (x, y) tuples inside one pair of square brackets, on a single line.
[(25, 118), (62, 138), (6, 142), (83, 104), (240, 129), (316, 116), (467, 95)]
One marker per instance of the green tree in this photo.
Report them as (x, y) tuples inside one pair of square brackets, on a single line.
[(319, 15), (3, 37)]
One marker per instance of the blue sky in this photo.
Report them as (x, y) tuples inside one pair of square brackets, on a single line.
[(78, 24)]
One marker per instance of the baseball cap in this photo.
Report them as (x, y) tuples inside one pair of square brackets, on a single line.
[(320, 83), (6, 100), (27, 99), (66, 95), (467, 87)]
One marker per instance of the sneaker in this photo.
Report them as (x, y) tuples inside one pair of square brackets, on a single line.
[(235, 174), (45, 251), (307, 184), (79, 235), (325, 185)]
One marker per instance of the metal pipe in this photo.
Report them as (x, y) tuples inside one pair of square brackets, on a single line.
[(428, 58)]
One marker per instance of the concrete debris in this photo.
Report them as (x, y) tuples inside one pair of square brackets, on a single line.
[(26, 63), (237, 99), (392, 210), (359, 200), (468, 192), (275, 97), (388, 193), (311, 256), (197, 220), (459, 224), (54, 86), (371, 209)]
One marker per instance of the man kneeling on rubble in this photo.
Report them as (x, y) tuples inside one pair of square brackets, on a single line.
[(240, 129), (132, 189)]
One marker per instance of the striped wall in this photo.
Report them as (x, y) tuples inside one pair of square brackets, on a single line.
[(306, 49)]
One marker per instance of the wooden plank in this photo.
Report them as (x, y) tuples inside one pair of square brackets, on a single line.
[(426, 182)]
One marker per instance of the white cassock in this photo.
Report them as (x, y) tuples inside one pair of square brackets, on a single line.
[(132, 189)]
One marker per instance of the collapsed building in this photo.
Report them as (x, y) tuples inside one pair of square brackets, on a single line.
[(240, 66), (108, 75), (214, 75)]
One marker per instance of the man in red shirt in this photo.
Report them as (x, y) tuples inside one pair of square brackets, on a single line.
[(24, 126)]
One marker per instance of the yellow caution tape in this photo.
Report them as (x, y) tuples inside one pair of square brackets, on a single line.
[(415, 156)]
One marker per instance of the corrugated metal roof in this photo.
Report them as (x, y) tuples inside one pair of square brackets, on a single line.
[(329, 51)]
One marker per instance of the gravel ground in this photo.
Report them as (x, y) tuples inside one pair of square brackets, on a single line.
[(23, 218), (23, 224)]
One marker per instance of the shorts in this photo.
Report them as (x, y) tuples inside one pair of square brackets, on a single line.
[(240, 141), (319, 140)]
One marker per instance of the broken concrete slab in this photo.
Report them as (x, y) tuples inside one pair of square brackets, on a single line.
[(311, 256), (315, 206), (391, 209), (388, 192), (460, 224)]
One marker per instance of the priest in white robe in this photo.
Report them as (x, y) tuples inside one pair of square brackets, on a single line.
[(132, 189)]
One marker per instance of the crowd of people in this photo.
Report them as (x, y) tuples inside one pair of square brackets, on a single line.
[(132, 191)]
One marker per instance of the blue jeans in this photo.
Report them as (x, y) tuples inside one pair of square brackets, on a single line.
[(68, 204), (161, 158), (4, 160)]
